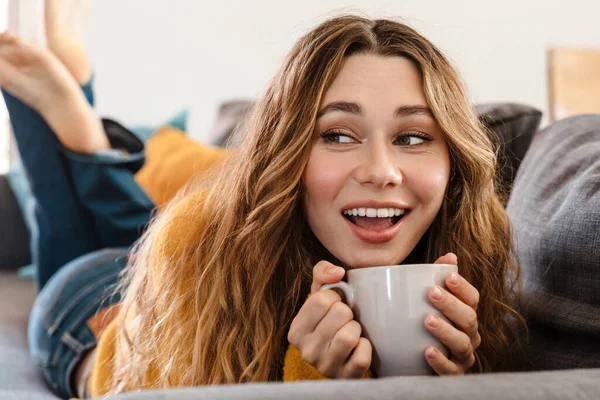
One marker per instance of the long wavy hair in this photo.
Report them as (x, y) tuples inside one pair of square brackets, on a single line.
[(217, 309)]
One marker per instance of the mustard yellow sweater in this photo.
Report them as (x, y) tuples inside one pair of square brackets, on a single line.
[(172, 160)]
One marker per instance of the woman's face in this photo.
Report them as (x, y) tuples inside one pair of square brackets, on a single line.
[(379, 165)]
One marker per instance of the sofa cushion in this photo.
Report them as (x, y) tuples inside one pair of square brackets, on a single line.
[(563, 385), (14, 236), (171, 159), (513, 127), (19, 378), (554, 209), (177, 121), (229, 117)]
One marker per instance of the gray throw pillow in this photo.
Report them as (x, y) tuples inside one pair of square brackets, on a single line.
[(230, 115), (555, 213), (513, 127)]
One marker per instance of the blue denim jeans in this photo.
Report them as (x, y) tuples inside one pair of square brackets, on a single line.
[(88, 212)]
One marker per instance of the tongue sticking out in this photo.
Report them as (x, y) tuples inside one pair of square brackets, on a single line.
[(374, 224)]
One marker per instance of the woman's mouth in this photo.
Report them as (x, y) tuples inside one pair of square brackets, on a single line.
[(375, 225), (374, 219)]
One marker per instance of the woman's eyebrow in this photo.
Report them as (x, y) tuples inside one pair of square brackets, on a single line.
[(344, 106), (407, 111), (353, 108)]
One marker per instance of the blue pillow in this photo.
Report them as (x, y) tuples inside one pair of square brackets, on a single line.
[(178, 121)]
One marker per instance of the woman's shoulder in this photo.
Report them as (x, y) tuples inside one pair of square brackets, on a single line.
[(173, 243), (182, 227)]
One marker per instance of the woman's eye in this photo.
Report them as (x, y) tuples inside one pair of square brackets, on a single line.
[(411, 140), (336, 137)]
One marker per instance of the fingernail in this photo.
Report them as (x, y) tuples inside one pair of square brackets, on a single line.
[(437, 293), (433, 321), (431, 352), (454, 279), (332, 270)]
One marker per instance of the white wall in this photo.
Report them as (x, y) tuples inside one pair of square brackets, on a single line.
[(155, 56)]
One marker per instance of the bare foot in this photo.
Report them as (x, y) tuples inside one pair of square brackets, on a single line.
[(62, 41), (31, 73), (38, 79)]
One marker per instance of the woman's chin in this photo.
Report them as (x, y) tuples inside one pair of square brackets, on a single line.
[(361, 262)]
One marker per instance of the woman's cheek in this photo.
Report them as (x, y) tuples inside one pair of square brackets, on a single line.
[(430, 179), (324, 175)]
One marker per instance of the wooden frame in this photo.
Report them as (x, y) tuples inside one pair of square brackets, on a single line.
[(573, 81)]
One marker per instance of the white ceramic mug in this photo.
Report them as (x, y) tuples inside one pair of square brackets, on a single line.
[(391, 304)]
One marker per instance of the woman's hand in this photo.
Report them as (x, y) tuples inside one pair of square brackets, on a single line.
[(325, 332), (459, 306)]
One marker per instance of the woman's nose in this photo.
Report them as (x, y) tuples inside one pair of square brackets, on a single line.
[(378, 167)]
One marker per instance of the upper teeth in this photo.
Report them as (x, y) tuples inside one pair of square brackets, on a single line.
[(375, 212)]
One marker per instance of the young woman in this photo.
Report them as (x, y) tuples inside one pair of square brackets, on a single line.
[(363, 151)]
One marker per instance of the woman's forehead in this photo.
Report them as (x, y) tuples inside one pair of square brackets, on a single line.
[(367, 78), (375, 83)]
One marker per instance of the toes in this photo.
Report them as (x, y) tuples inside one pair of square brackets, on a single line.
[(8, 37), (17, 51), (7, 75)]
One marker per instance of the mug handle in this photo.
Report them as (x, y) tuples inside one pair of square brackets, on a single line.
[(345, 288)]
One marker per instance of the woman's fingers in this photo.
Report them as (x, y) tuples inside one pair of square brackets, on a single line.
[(318, 304), (325, 332), (345, 339), (441, 364), (325, 272), (339, 315), (310, 315), (449, 258), (360, 361), (462, 315), (334, 337), (463, 290), (459, 304), (327, 336), (458, 342)]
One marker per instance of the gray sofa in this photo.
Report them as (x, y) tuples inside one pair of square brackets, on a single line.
[(563, 306), (20, 381)]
